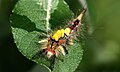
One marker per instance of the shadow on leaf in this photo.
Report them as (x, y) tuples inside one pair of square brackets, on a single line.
[(19, 21)]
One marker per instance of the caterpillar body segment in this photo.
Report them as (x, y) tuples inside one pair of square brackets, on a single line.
[(81, 14), (75, 27), (53, 57)]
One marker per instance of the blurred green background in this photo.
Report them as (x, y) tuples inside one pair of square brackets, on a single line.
[(102, 49)]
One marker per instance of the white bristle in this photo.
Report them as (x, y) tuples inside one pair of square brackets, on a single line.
[(42, 41)]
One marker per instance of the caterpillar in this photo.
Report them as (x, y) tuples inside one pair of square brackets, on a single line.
[(56, 43)]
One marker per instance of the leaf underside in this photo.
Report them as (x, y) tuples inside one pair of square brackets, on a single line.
[(28, 23)]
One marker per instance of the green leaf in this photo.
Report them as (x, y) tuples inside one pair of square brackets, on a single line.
[(71, 61), (31, 22)]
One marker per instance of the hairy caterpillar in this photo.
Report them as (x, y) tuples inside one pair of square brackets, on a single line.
[(56, 43)]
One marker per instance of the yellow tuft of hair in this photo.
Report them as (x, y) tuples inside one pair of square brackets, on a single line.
[(55, 37), (67, 31), (58, 33), (62, 32)]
